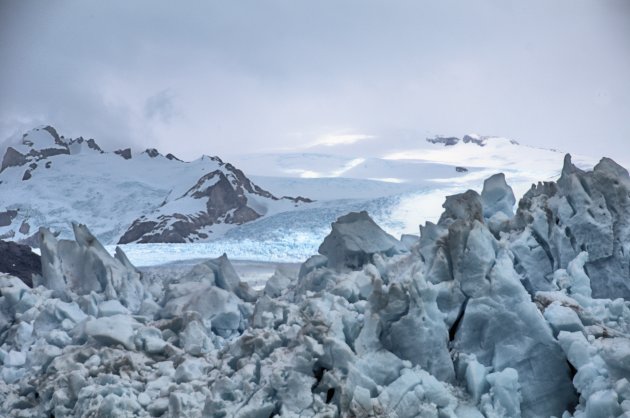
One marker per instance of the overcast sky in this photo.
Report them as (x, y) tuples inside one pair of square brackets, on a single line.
[(219, 77)]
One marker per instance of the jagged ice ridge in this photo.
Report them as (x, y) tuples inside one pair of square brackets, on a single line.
[(487, 314)]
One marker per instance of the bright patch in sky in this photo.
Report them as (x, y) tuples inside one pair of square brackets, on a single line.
[(333, 140), (388, 180), (309, 174)]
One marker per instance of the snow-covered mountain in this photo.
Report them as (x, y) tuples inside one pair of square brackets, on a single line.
[(220, 199), (48, 180), (432, 161), (147, 197)]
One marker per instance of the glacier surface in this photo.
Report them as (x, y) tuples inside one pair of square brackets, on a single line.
[(488, 314)]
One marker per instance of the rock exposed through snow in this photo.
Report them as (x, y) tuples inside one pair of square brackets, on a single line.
[(142, 198), (19, 261)]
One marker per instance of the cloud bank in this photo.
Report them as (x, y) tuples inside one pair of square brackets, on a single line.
[(251, 76)]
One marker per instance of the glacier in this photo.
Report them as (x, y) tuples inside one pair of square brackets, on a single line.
[(490, 313), (166, 199)]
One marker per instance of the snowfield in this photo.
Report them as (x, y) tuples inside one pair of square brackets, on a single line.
[(110, 193), (489, 313)]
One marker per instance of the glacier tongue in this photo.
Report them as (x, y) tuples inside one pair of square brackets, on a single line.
[(488, 314)]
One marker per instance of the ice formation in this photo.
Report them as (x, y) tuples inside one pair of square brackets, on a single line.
[(488, 314)]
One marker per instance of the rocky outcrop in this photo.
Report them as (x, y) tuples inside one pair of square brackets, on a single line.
[(74, 178), (125, 153), (474, 139), (446, 141), (75, 145), (478, 140), (224, 204), (12, 158), (19, 261), (152, 152), (7, 217), (30, 150), (223, 196)]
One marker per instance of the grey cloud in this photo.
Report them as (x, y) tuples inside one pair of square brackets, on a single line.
[(259, 75), (161, 106)]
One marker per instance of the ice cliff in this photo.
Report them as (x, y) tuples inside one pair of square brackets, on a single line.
[(489, 314)]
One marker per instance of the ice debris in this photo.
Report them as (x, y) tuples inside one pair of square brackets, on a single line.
[(486, 315)]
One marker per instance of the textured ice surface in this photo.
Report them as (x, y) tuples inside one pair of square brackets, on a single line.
[(583, 211), (458, 325), (84, 266), (497, 197), (354, 239)]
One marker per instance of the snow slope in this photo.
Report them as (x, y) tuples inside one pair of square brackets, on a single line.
[(107, 191), (425, 176), (399, 191)]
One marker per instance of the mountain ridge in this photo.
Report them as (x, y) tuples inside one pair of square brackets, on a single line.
[(167, 208)]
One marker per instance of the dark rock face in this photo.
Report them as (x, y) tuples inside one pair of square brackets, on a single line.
[(8, 235), (48, 152), (172, 157), (446, 141), (224, 203), (138, 229), (224, 193), (91, 143), (25, 228), (7, 217), (19, 261), (475, 140), (12, 158), (481, 141), (220, 197), (53, 132), (125, 153), (354, 240), (152, 152), (461, 169)]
